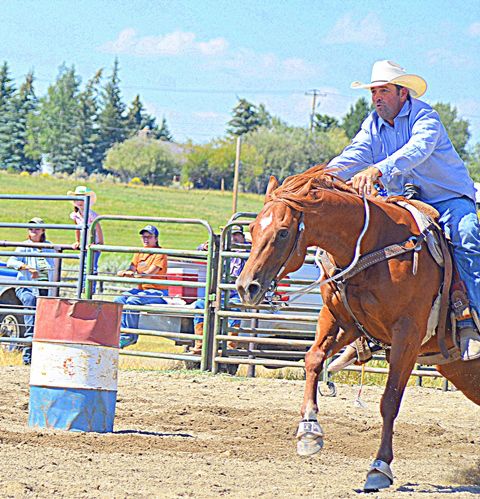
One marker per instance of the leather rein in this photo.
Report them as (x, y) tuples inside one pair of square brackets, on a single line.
[(339, 277)]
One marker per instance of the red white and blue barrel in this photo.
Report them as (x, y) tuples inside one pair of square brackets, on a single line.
[(74, 371)]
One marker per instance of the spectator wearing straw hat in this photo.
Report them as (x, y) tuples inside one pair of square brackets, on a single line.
[(78, 216), (32, 268), (143, 265)]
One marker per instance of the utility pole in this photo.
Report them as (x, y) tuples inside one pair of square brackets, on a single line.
[(236, 174), (314, 93)]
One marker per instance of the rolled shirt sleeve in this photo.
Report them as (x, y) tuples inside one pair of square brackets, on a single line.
[(422, 143), (355, 157)]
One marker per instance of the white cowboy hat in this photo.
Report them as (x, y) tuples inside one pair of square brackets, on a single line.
[(82, 190), (384, 72)]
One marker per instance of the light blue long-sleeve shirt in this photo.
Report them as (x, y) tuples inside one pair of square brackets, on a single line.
[(415, 150), (23, 258)]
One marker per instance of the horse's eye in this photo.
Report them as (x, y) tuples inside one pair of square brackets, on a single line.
[(283, 233)]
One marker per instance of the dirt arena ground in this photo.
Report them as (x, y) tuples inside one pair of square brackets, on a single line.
[(194, 435)]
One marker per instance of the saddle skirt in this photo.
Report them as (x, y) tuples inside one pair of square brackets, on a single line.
[(424, 215)]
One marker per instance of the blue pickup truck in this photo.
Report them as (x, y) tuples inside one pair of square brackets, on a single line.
[(11, 324)]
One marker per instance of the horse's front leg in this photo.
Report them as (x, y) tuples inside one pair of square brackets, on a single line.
[(328, 341), (406, 342)]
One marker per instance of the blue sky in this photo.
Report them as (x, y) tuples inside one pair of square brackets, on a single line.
[(191, 60)]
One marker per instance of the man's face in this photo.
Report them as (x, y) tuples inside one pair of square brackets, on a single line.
[(388, 101), (238, 238), (148, 240)]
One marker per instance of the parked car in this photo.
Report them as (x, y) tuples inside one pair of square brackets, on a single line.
[(11, 324)]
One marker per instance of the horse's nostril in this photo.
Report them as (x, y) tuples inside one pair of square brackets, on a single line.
[(253, 289)]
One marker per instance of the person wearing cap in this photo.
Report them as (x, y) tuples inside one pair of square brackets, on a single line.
[(403, 141), (143, 265), (32, 268), (236, 267), (78, 216)]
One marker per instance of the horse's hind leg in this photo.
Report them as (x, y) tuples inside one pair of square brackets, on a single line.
[(405, 346), (328, 341)]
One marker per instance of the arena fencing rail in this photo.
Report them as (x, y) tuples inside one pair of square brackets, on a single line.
[(12, 311), (171, 309)]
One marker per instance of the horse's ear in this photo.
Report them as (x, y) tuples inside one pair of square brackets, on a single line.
[(272, 185)]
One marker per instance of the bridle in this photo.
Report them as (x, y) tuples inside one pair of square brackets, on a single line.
[(319, 282)]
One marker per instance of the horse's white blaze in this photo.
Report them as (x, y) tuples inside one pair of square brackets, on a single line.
[(265, 222)]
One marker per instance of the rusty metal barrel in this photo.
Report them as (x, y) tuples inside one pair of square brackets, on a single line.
[(74, 371)]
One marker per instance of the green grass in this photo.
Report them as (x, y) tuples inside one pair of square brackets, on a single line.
[(120, 199)]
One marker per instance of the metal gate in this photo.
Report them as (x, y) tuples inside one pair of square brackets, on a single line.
[(171, 310)]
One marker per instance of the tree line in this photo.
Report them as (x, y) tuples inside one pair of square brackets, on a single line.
[(70, 129), (90, 130)]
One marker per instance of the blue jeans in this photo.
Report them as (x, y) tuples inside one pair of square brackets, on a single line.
[(200, 304), (130, 318), (28, 299), (459, 220)]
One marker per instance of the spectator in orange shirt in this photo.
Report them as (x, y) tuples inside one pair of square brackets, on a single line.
[(143, 265)]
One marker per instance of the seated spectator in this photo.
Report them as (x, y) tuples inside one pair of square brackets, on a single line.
[(236, 267), (146, 265), (32, 268)]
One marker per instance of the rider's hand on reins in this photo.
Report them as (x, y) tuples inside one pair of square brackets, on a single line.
[(364, 182)]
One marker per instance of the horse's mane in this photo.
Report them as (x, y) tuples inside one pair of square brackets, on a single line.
[(301, 192)]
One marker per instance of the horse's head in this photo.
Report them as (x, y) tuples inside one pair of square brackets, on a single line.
[(278, 247)]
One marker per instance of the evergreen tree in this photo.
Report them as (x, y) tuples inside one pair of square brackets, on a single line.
[(111, 121), (457, 128), (324, 122), (163, 132), (7, 90), (52, 130), (264, 117), (20, 107), (89, 159), (138, 119), (246, 118), (353, 120)]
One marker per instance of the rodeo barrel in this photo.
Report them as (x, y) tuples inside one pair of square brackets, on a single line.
[(73, 376)]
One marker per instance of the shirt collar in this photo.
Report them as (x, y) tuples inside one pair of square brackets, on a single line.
[(403, 112)]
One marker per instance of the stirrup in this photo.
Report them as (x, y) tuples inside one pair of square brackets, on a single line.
[(469, 340)]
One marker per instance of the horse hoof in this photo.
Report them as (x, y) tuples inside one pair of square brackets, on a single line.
[(309, 446), (379, 477), (310, 438)]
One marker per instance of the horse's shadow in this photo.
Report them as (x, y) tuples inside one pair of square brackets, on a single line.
[(152, 433), (438, 489)]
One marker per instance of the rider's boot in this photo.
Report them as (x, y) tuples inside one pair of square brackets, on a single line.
[(197, 349), (469, 340)]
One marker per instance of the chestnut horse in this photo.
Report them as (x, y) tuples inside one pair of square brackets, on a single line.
[(389, 299)]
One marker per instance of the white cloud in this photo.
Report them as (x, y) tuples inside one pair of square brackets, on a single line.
[(170, 44), (442, 57), (241, 61), (248, 63), (367, 31), (474, 29)]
